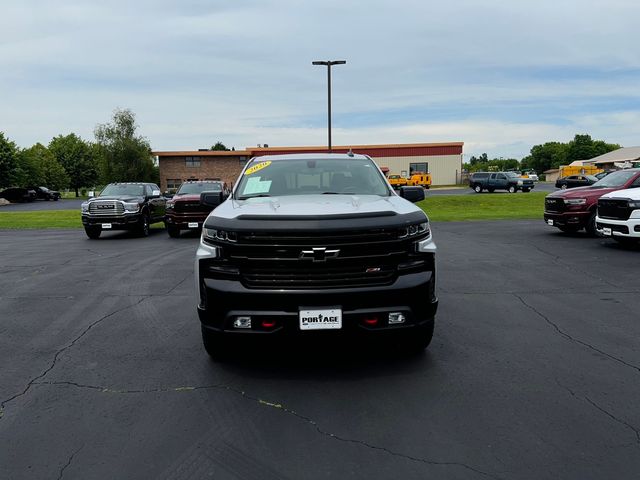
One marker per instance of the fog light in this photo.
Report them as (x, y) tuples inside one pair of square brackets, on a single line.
[(370, 321), (242, 322), (395, 318), (268, 323)]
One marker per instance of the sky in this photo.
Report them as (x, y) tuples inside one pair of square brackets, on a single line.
[(499, 75)]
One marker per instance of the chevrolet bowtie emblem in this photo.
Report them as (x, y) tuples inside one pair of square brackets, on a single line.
[(319, 254)]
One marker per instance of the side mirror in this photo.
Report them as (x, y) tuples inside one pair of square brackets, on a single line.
[(91, 194), (155, 193), (211, 199), (413, 194)]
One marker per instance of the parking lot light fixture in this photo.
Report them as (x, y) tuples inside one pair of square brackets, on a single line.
[(329, 64)]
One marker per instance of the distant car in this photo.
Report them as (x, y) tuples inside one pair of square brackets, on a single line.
[(18, 194), (44, 193), (492, 181), (601, 175), (533, 176), (576, 181)]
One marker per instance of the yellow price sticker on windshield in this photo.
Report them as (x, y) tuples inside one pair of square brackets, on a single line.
[(257, 168)]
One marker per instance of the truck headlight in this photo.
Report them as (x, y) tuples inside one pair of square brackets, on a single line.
[(634, 204), (131, 207), (170, 206), (219, 235), (575, 201), (520, 182), (413, 230), (84, 207)]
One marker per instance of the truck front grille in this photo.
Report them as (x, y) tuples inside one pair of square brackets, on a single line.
[(614, 209), (106, 208), (554, 205), (190, 207)]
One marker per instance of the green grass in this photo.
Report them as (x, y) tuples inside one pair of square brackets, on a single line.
[(485, 206), (440, 208), (41, 219)]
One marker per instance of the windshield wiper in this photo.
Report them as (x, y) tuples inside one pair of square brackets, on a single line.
[(331, 193), (258, 195)]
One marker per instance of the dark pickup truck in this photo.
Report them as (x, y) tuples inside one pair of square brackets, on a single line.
[(492, 181), (185, 211), (316, 246), (123, 206)]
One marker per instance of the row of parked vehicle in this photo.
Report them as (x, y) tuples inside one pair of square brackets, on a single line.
[(609, 207), (29, 194), (509, 181), (136, 206)]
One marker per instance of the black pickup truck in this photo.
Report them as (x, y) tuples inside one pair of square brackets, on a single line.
[(123, 206), (317, 246), (492, 181)]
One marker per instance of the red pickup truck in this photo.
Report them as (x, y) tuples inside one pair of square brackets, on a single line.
[(185, 211), (574, 209)]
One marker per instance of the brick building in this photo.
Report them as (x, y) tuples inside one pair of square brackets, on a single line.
[(442, 160)]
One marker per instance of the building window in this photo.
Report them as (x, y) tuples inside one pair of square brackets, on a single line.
[(243, 161), (422, 167), (173, 183), (192, 161)]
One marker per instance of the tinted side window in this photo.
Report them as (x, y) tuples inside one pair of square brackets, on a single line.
[(502, 176), (636, 183)]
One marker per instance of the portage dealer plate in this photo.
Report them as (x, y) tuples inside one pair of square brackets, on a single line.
[(106, 226), (192, 225), (321, 319)]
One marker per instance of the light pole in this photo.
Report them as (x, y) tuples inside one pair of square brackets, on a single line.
[(328, 64)]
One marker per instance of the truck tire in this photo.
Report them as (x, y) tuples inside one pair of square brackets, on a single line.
[(511, 189), (525, 190), (563, 186), (173, 231), (590, 227), (491, 190), (215, 344), (568, 229), (477, 188), (143, 225), (93, 232), (625, 241), (420, 338)]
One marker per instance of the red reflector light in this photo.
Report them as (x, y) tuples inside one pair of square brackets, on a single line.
[(371, 321), (268, 323)]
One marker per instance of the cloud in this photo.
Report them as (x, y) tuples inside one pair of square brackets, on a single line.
[(499, 75)]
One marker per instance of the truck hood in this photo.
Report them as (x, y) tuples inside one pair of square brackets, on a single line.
[(123, 198), (190, 197), (315, 211), (581, 192), (630, 193)]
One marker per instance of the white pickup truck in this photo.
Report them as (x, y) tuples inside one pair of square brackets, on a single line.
[(619, 215)]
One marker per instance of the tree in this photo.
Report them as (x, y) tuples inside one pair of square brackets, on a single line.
[(124, 156), (583, 147), (75, 155), (8, 161), (220, 146), (37, 166)]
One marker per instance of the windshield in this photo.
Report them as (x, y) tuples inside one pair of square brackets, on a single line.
[(512, 174), (198, 188), (122, 189), (358, 176), (615, 179)]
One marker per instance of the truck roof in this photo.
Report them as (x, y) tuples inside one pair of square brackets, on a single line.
[(311, 156)]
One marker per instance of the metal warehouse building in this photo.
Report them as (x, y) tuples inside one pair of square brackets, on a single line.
[(442, 160)]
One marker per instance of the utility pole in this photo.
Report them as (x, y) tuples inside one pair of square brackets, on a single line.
[(328, 64)]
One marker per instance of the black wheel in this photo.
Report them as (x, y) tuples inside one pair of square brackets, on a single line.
[(563, 186), (143, 226), (478, 189), (173, 231), (420, 338), (569, 229), (491, 190), (215, 344), (55, 199), (625, 241), (590, 227), (525, 190), (511, 189), (93, 232)]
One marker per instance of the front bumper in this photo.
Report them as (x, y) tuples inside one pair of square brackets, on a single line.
[(182, 220), (618, 228), (117, 222), (578, 219)]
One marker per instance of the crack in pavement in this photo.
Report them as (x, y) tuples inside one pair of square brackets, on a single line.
[(575, 340), (606, 412), (66, 465), (279, 407), (190, 274), (56, 356)]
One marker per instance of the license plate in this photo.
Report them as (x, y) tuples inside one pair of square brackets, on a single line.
[(192, 225), (606, 231), (550, 222), (106, 226), (321, 319)]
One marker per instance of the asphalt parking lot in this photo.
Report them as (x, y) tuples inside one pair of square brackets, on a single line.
[(533, 372)]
